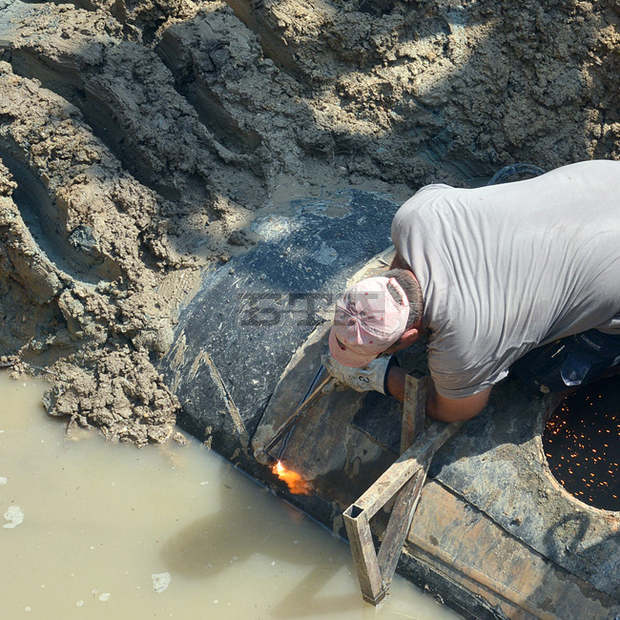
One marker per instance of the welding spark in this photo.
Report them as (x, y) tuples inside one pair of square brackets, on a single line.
[(296, 484), (577, 446)]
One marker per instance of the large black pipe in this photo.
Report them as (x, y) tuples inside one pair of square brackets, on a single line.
[(238, 333)]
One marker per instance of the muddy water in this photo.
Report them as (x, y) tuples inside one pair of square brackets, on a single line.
[(94, 530)]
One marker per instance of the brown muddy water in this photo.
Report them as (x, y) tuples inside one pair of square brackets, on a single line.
[(98, 530)]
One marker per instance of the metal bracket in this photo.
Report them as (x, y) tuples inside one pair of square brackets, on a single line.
[(404, 480)]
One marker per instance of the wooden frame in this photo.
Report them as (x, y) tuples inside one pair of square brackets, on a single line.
[(404, 479)]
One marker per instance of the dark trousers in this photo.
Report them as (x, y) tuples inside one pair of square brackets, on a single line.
[(569, 362)]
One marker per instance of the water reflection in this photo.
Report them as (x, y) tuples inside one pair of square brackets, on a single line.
[(172, 532)]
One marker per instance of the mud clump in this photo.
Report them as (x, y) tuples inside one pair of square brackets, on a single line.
[(117, 390), (139, 140)]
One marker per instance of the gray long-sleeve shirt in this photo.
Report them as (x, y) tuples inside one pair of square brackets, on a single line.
[(508, 267)]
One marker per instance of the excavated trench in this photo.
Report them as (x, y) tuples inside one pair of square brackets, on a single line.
[(77, 255), (121, 128), (169, 167), (191, 85)]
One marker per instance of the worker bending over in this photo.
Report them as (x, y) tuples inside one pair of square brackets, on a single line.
[(493, 274)]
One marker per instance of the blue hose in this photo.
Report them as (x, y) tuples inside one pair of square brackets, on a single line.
[(504, 174)]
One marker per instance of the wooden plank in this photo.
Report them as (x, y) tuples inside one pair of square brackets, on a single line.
[(414, 410), (420, 410), (403, 480), (364, 554), (399, 525), (390, 482), (407, 429)]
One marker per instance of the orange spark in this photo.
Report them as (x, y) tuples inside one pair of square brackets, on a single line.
[(296, 484)]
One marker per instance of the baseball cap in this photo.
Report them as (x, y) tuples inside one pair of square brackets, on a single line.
[(367, 320)]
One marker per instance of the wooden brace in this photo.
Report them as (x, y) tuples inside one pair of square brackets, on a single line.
[(403, 479)]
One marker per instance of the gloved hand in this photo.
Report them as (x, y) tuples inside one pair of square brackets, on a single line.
[(371, 377)]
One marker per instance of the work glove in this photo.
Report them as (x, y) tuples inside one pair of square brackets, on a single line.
[(371, 377)]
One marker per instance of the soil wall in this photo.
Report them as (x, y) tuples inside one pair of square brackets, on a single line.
[(139, 140)]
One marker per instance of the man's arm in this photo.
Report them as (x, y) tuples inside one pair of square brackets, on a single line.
[(437, 406), (455, 409)]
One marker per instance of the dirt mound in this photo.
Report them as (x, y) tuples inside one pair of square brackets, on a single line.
[(77, 234), (139, 139)]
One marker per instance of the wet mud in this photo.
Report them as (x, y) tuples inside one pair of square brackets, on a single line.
[(139, 141)]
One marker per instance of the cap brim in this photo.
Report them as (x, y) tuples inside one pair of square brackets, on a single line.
[(346, 357)]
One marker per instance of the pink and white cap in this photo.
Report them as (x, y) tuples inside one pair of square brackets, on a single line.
[(367, 320)]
